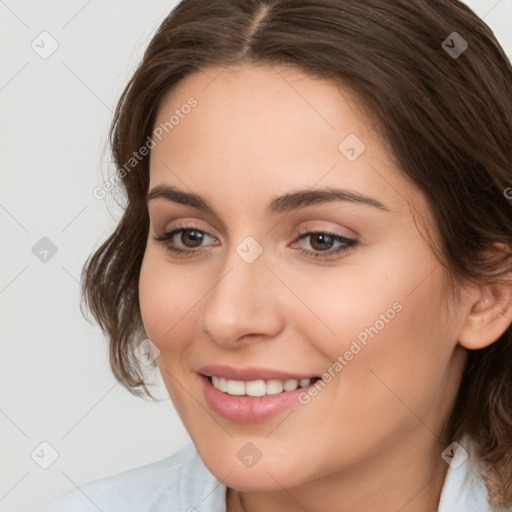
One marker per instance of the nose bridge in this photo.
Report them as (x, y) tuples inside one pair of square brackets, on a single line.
[(243, 299)]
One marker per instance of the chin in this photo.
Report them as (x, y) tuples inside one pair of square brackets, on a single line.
[(264, 476)]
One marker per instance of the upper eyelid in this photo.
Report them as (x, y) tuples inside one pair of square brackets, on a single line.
[(222, 227), (181, 222), (185, 223), (211, 219), (197, 223)]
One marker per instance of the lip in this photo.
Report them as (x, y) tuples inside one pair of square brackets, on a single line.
[(251, 373), (246, 409)]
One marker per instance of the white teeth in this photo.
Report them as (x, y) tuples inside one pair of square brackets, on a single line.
[(235, 387), (291, 384), (274, 387), (257, 388), (220, 383), (223, 384)]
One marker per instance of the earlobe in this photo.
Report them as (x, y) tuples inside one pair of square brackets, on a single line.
[(489, 317)]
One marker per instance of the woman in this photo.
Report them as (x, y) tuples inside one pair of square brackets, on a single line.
[(317, 243)]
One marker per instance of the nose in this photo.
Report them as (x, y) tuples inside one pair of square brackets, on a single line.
[(242, 306)]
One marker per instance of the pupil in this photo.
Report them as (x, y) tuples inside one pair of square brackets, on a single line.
[(325, 241), (193, 236)]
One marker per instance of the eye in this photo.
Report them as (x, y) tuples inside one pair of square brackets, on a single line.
[(191, 241), (323, 243), (190, 238)]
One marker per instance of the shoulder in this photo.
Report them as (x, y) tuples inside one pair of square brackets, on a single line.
[(180, 482), (464, 488)]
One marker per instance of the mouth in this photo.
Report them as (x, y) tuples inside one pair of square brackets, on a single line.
[(251, 395), (258, 388)]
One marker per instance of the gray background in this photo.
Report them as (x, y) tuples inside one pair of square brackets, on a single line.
[(56, 385)]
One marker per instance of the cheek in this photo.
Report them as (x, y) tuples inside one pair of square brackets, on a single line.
[(358, 307), (384, 323), (403, 365), (165, 299), (392, 376)]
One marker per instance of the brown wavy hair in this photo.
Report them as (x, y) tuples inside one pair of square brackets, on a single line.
[(447, 121)]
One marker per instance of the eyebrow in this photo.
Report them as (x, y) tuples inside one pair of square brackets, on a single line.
[(285, 203)]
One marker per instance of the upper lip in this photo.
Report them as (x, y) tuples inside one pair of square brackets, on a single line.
[(250, 373)]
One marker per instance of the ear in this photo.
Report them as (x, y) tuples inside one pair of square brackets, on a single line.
[(489, 316)]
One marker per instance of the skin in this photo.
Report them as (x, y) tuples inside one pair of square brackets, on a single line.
[(367, 441)]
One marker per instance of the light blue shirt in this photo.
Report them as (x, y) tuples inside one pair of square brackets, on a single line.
[(182, 483)]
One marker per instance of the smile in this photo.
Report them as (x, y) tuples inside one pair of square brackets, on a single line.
[(257, 388), (251, 395)]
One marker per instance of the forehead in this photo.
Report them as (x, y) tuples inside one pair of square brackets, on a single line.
[(270, 98), (266, 129)]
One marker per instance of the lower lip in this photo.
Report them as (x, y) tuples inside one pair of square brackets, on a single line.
[(248, 409)]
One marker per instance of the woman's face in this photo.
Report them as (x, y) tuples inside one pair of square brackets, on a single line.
[(256, 304)]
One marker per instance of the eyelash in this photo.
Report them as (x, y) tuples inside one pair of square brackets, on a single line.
[(349, 243)]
